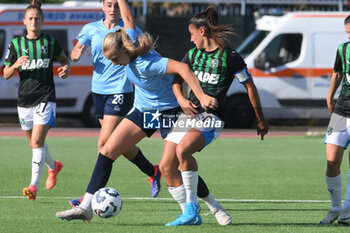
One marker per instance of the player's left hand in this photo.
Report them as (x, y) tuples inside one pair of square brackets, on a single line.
[(63, 71), (262, 128), (209, 102)]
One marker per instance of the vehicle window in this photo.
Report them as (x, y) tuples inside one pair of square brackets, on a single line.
[(249, 44), (2, 43), (283, 49)]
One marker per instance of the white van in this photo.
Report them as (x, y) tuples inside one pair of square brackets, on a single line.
[(64, 22), (291, 58)]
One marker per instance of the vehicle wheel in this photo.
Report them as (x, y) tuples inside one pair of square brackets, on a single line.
[(238, 112), (88, 117)]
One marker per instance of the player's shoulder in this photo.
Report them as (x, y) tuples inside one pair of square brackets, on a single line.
[(344, 44), (92, 25), (18, 38)]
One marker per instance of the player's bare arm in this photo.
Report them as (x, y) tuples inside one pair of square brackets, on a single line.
[(262, 125)]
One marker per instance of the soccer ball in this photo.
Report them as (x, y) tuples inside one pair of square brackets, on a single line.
[(106, 202)]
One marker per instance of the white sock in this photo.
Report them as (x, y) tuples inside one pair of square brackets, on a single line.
[(334, 188), (179, 194), (212, 203), (190, 181), (86, 203), (50, 162), (38, 161), (347, 195)]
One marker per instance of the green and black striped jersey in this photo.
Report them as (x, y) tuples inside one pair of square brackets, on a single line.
[(341, 64), (36, 77), (216, 72)]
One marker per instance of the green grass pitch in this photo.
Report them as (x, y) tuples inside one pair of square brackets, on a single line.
[(275, 185)]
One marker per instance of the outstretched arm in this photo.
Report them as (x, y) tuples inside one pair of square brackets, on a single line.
[(126, 14), (182, 69)]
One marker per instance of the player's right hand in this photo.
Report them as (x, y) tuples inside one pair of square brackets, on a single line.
[(21, 61), (77, 53)]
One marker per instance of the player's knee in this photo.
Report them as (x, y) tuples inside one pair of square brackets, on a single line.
[(36, 144), (333, 165), (181, 153), (100, 144), (165, 169)]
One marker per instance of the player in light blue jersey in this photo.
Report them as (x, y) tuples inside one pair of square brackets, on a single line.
[(112, 92), (153, 94)]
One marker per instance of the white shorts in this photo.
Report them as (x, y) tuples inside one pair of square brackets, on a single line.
[(209, 125), (42, 114), (338, 131)]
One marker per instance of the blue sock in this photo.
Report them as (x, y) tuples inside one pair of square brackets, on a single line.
[(101, 173)]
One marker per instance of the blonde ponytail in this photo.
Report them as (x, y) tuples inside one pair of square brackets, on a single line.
[(116, 40)]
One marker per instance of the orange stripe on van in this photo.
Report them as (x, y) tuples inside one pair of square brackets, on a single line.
[(287, 73)]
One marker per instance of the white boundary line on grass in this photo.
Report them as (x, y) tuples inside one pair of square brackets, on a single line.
[(170, 199)]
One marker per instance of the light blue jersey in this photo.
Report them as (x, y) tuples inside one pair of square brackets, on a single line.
[(153, 87), (107, 78)]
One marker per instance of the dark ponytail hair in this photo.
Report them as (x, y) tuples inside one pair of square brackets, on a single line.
[(36, 5), (209, 21)]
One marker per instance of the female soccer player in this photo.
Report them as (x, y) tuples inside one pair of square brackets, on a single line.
[(112, 92), (153, 94), (338, 134), (216, 64), (32, 55)]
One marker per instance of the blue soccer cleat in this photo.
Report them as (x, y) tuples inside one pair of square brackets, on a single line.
[(191, 211), (189, 217), (177, 222), (154, 181)]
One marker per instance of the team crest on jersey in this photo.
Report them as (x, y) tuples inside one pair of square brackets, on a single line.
[(214, 63), (44, 49)]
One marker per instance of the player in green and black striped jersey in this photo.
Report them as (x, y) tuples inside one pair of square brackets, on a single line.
[(215, 65), (338, 134), (32, 56), (36, 72)]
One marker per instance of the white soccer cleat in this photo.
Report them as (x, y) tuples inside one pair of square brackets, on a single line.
[(331, 217), (344, 217), (222, 217), (76, 213)]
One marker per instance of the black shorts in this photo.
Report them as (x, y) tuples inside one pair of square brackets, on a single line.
[(115, 105), (167, 116)]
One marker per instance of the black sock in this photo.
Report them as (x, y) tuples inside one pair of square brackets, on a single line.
[(143, 164), (202, 188), (101, 173)]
